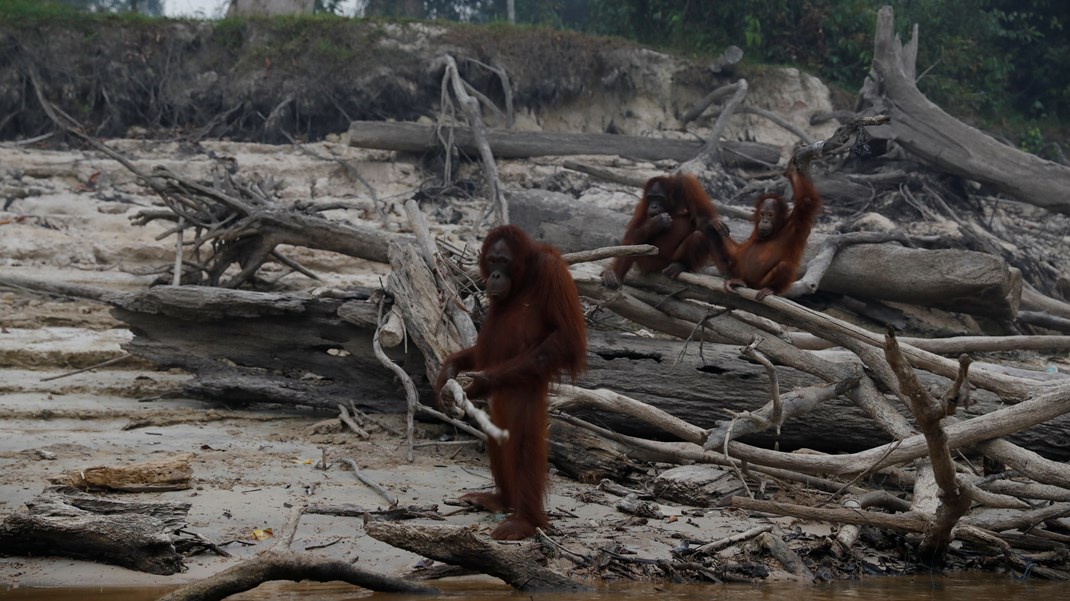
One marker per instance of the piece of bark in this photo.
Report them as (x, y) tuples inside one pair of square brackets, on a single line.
[(508, 144), (697, 485), (519, 566), (940, 140), (64, 523), (409, 512), (848, 533), (631, 504), (168, 473)]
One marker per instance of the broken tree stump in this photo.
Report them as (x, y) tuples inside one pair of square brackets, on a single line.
[(64, 522)]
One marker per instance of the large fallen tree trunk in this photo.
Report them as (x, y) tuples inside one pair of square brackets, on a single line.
[(294, 349), (956, 280), (940, 140), (507, 144)]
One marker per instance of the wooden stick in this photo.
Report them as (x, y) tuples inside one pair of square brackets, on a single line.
[(481, 417), (777, 416), (954, 500), (111, 361), (499, 206), (609, 252), (176, 280), (724, 543), (382, 492), (343, 414), (412, 397)]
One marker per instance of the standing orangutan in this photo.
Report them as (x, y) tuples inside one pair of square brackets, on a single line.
[(533, 333), (675, 215), (769, 258)]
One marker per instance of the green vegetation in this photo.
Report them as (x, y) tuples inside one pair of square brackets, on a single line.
[(71, 12), (33, 11), (1001, 62), (979, 57)]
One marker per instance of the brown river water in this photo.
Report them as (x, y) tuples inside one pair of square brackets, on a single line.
[(958, 587)]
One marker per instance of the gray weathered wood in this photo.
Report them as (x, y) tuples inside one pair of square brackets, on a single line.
[(64, 522), (956, 280), (507, 144), (940, 140), (699, 485), (248, 346)]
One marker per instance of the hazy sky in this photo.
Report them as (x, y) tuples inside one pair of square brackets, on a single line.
[(212, 9), (194, 8)]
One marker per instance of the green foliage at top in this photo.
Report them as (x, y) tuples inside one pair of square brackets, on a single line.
[(987, 58), (997, 60), (74, 11), (35, 11)]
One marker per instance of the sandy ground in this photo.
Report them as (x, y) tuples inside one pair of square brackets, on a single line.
[(66, 218)]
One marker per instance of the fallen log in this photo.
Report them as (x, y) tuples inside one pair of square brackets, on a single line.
[(140, 536), (956, 280), (268, 347), (509, 144), (294, 349), (940, 140)]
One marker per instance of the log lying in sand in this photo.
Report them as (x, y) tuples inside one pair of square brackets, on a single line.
[(66, 523), (956, 280), (295, 349), (507, 144)]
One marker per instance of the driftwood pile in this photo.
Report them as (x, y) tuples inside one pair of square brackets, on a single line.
[(919, 416)]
